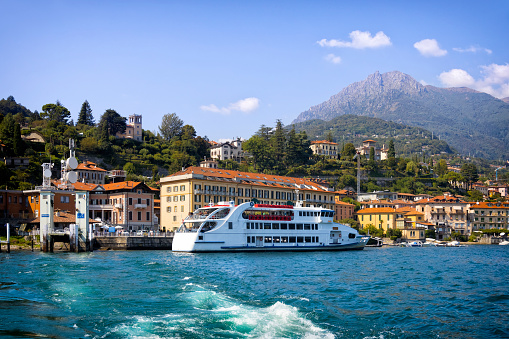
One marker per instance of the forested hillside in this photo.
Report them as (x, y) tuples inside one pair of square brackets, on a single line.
[(355, 129)]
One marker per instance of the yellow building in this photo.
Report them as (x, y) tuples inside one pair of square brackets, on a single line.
[(411, 225), (195, 187), (327, 148), (382, 218)]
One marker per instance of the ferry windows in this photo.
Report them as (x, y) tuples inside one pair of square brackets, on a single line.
[(284, 226), (248, 240), (276, 240), (291, 226), (307, 239), (292, 239), (300, 213), (307, 227), (284, 240), (300, 239), (351, 235), (275, 226), (268, 239), (266, 226), (300, 227)]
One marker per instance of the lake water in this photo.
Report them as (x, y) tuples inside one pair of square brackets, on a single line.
[(375, 293)]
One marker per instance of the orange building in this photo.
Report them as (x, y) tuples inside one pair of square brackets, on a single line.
[(343, 210)]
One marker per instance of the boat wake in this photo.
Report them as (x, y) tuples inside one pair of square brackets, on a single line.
[(210, 314)]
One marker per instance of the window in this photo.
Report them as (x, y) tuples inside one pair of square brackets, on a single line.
[(139, 216), (182, 188), (130, 201), (130, 215), (182, 198), (175, 188), (182, 208), (168, 209)]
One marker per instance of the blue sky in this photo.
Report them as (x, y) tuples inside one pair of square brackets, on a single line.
[(227, 67)]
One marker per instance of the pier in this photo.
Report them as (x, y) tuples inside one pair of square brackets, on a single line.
[(158, 242)]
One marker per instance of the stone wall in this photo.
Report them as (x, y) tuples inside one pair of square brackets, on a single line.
[(133, 243)]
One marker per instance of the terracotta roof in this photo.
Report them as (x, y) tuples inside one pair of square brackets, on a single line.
[(415, 213), (64, 217), (323, 142), (369, 140), (121, 185), (89, 166), (376, 210), (265, 180), (344, 203), (501, 205), (405, 209), (81, 186), (444, 199)]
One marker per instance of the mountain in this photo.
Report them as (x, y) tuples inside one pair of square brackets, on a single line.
[(355, 129), (472, 122)]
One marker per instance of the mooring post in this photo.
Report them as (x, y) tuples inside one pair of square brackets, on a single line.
[(8, 238)]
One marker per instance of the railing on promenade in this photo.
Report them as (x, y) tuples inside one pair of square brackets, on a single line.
[(133, 234)]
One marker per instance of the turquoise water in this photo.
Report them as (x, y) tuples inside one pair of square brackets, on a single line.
[(375, 293)]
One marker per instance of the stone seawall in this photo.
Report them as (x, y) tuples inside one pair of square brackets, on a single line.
[(133, 243)]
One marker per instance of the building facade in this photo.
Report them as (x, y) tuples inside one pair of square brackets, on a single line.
[(133, 128), (195, 187), (490, 215), (367, 145), (448, 214), (227, 150), (343, 210), (326, 148), (382, 218), (88, 172)]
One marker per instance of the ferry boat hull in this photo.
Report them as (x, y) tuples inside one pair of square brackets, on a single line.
[(263, 228)]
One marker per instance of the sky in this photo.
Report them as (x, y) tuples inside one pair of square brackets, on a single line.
[(228, 67)]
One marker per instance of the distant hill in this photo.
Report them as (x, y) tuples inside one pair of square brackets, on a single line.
[(353, 128), (472, 122)]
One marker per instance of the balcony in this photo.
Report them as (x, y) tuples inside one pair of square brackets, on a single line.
[(119, 206), (140, 206)]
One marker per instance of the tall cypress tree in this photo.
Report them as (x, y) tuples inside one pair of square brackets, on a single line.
[(85, 117)]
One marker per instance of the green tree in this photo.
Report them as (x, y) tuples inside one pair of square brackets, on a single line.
[(411, 168), (56, 112), (85, 116), (129, 168), (475, 195), (391, 153), (278, 147), (260, 150), (469, 172), (441, 167), (111, 123), (348, 150), (171, 126)]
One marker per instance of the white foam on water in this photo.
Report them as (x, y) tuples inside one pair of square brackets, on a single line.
[(211, 314), (187, 278)]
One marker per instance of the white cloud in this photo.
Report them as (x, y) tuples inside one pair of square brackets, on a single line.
[(429, 47), (472, 49), (333, 58), (360, 40), (245, 105), (495, 80), (456, 78)]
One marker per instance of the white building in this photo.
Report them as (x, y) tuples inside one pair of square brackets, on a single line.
[(227, 150)]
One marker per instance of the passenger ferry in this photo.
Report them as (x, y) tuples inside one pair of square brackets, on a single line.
[(262, 227)]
